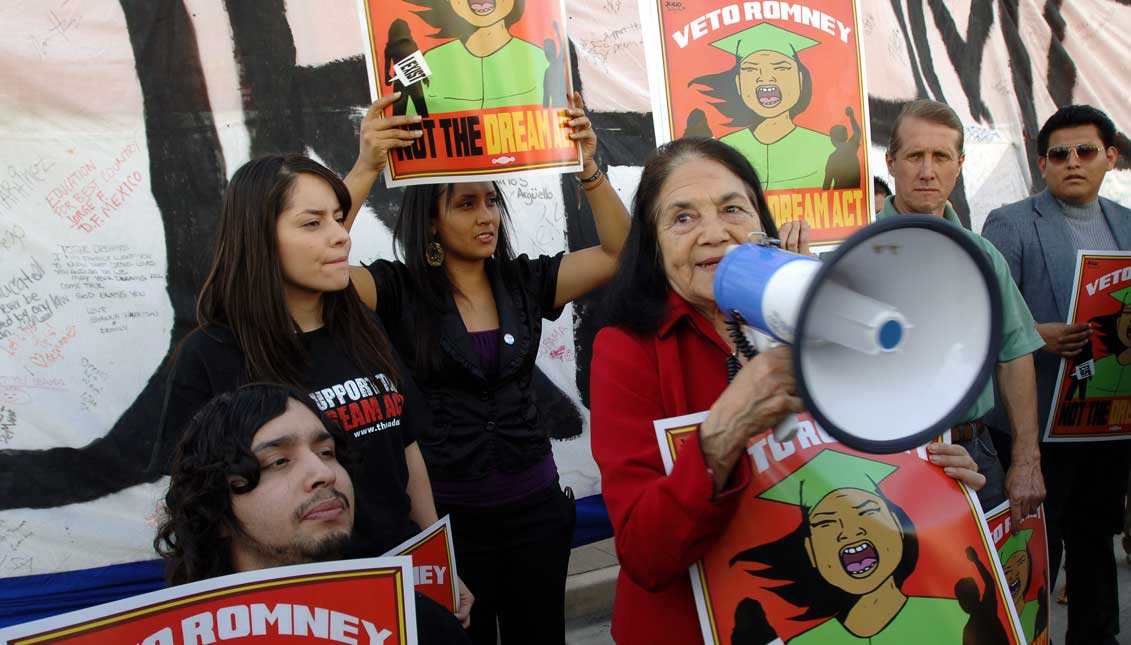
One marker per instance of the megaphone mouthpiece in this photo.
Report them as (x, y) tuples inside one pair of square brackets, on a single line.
[(856, 321), (764, 287), (882, 361)]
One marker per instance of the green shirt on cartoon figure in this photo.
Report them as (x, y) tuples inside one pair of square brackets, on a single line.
[(512, 76), (776, 87)]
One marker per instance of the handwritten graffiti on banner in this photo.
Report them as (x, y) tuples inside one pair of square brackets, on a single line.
[(832, 545)]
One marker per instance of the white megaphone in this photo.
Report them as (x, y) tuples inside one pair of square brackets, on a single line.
[(893, 337)]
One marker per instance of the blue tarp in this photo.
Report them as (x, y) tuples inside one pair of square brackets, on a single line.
[(27, 598)]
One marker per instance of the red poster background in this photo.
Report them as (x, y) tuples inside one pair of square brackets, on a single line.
[(837, 81), (536, 26), (433, 551), (1000, 529), (1096, 416), (945, 515), (374, 595)]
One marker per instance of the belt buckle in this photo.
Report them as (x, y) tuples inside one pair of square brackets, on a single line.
[(963, 431)]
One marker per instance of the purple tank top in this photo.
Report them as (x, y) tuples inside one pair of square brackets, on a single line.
[(486, 345)]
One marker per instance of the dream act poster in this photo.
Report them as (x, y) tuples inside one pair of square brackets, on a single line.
[(783, 83), (831, 545), (490, 79), (1092, 399)]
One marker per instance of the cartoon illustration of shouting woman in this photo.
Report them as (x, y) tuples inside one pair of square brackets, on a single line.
[(1112, 373), (847, 561), (1017, 563), (763, 93), (485, 66)]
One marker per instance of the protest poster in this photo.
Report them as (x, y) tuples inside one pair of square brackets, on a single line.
[(1092, 398), (832, 545), (1024, 556), (368, 601), (490, 79), (782, 82), (433, 563)]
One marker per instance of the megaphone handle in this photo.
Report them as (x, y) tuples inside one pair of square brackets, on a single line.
[(785, 430)]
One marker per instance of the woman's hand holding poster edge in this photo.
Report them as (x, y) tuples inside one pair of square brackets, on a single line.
[(490, 80), (830, 544), (782, 82)]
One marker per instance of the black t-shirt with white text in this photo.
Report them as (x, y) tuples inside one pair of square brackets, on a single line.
[(372, 410), (381, 417)]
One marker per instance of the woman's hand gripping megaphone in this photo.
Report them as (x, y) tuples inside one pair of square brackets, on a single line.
[(750, 342), (761, 395)]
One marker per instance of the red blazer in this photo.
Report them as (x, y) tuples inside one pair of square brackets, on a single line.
[(662, 523)]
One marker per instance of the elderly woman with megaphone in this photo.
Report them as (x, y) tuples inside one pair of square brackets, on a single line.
[(665, 354)]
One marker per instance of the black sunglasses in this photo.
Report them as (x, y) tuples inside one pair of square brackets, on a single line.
[(1084, 152)]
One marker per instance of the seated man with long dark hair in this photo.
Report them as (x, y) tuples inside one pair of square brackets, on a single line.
[(261, 479)]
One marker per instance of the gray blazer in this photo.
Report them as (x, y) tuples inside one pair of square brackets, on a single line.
[(1034, 238)]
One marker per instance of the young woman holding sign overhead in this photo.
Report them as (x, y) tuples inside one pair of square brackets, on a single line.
[(466, 316)]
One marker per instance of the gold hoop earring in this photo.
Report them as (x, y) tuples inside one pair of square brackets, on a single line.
[(434, 254)]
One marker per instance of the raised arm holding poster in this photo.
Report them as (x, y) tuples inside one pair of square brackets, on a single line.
[(1024, 556), (489, 78), (831, 545), (1092, 399), (783, 82)]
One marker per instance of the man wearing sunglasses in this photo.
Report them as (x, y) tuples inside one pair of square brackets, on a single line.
[(1039, 237)]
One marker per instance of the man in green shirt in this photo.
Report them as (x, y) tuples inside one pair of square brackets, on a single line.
[(924, 159)]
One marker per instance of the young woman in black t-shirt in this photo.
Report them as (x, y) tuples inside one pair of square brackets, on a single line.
[(278, 306), (466, 316)]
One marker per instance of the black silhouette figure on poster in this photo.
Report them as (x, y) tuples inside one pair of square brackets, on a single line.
[(697, 125), (983, 628), (1079, 373), (846, 562), (751, 627), (843, 167), (554, 84), (399, 47)]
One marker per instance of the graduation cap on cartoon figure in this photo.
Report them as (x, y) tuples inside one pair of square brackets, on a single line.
[(1124, 298), (829, 471), (772, 43), (836, 489), (764, 37)]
